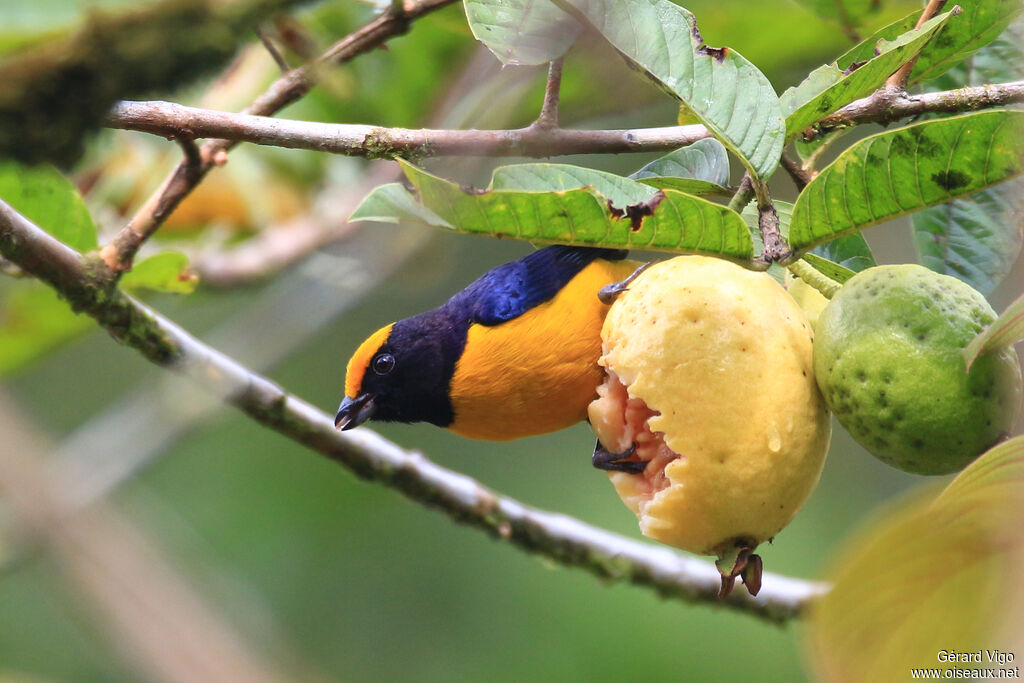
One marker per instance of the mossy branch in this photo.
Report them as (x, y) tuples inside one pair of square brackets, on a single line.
[(84, 282)]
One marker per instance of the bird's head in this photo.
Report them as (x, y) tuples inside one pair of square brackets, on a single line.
[(401, 374)]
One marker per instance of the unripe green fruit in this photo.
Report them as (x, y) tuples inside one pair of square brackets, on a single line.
[(888, 359)]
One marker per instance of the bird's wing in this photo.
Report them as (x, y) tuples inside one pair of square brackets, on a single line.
[(514, 288)]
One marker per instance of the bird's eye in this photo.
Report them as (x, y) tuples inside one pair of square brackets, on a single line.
[(383, 363)]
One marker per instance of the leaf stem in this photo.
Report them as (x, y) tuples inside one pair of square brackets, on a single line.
[(815, 278), (549, 110)]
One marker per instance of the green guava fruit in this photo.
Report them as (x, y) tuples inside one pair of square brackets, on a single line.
[(888, 359)]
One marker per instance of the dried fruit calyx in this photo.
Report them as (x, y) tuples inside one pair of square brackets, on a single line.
[(710, 375)]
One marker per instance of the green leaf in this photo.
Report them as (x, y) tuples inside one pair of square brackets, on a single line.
[(392, 203), (850, 251), (901, 171), (544, 177), (522, 32), (687, 185), (51, 201), (829, 87), (679, 223), (705, 160), (936, 575), (34, 321), (976, 239), (167, 271), (720, 88), (1007, 329), (980, 22), (829, 268)]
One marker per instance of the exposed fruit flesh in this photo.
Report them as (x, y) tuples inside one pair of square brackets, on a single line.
[(620, 422)]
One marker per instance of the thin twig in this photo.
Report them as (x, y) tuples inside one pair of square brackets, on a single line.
[(563, 539), (285, 90), (886, 105), (166, 118), (800, 176), (898, 80), (744, 193), (275, 54), (549, 110), (775, 248)]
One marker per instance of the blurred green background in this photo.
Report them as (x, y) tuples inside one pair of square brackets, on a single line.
[(342, 580)]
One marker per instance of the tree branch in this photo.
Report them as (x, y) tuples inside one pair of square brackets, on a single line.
[(118, 255), (888, 105), (561, 538), (549, 110), (169, 119), (898, 80)]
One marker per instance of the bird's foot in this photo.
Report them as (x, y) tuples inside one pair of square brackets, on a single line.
[(617, 462), (611, 292)]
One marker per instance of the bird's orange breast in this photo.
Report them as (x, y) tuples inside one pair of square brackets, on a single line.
[(538, 372)]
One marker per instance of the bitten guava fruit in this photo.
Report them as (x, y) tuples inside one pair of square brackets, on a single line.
[(888, 358), (710, 381)]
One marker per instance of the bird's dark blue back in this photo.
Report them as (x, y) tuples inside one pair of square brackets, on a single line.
[(512, 289)]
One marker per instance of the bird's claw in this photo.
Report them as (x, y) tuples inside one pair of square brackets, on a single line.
[(617, 462), (611, 292)]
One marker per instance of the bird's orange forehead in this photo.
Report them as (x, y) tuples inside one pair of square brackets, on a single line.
[(361, 360)]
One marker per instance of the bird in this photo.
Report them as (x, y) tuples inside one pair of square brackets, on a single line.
[(514, 354)]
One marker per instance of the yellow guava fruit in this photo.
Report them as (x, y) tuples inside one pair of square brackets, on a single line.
[(710, 376)]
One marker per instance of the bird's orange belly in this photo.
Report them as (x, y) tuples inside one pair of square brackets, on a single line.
[(538, 372)]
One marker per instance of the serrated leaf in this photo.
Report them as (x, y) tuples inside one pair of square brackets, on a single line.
[(980, 22), (936, 575), (720, 88), (679, 223), (522, 32), (976, 239), (392, 203), (1008, 329), (829, 268), (44, 196), (897, 172), (705, 160), (829, 88), (167, 271), (33, 322)]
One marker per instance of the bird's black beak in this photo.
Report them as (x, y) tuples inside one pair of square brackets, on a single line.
[(354, 411)]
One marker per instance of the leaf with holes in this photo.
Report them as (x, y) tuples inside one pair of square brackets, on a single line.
[(666, 221), (522, 32), (829, 87), (1008, 329), (898, 172), (718, 86), (545, 177)]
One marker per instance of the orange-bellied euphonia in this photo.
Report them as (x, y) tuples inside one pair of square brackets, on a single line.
[(513, 354)]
